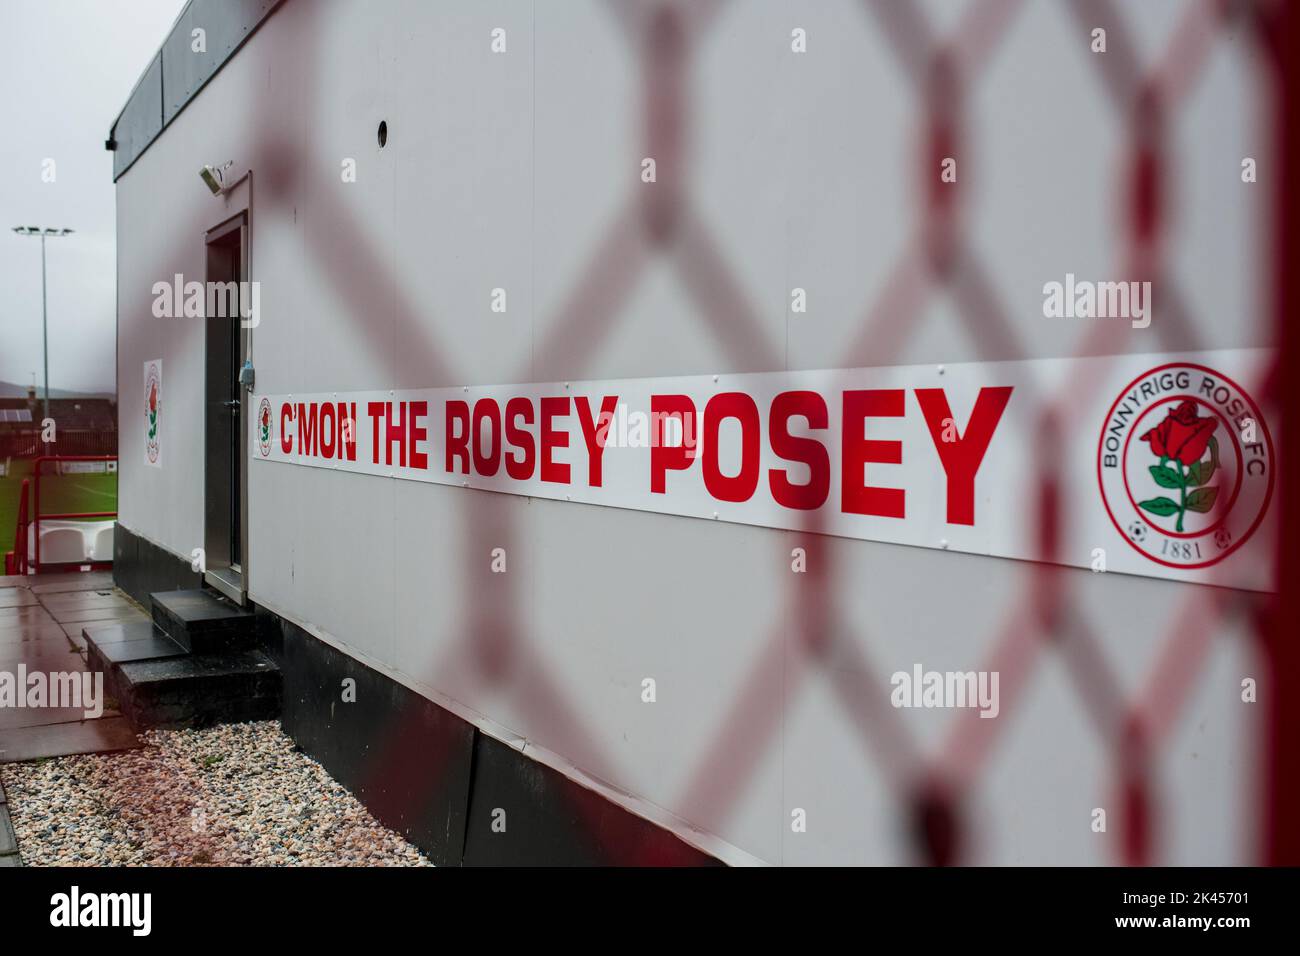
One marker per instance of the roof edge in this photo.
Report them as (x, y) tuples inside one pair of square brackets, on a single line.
[(178, 72)]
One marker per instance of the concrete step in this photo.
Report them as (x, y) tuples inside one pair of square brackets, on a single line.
[(156, 682), (204, 621), (111, 644), (197, 690), (116, 643)]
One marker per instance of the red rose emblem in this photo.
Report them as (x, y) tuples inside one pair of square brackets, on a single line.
[(1182, 435), (1181, 440), (153, 398), (266, 418)]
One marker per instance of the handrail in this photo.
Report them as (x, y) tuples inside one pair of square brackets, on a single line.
[(36, 506)]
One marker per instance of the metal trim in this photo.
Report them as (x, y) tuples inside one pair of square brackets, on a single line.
[(147, 112)]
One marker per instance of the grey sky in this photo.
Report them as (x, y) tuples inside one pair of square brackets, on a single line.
[(66, 68)]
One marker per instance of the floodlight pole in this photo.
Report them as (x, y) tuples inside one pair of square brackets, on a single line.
[(45, 336), (45, 321)]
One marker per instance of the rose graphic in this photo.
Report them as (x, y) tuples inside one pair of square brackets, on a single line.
[(266, 425), (1180, 441), (1181, 435), (153, 410)]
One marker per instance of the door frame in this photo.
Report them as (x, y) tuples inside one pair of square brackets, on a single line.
[(229, 574)]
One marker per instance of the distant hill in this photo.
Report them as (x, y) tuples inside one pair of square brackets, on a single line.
[(10, 390)]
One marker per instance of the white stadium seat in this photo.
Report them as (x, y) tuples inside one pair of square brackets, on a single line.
[(102, 549)]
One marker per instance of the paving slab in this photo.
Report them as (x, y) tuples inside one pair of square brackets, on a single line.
[(17, 616), (83, 615), (15, 581), (46, 637), (106, 735), (46, 648), (24, 634), (72, 581), (80, 599), (12, 718), (41, 656), (16, 597)]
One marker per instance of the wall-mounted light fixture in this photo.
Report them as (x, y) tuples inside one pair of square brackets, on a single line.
[(214, 176)]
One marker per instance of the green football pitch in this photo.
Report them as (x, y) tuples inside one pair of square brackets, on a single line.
[(59, 494)]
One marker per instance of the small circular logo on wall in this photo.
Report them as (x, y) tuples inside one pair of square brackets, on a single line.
[(152, 384), (264, 427), (1185, 463)]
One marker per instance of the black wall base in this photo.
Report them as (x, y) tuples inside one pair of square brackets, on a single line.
[(461, 796), (140, 567), (550, 820), (404, 757)]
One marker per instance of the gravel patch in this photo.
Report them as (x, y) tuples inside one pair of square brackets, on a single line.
[(231, 795)]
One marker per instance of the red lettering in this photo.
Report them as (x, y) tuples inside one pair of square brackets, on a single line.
[(395, 433), (286, 439), (595, 433), (520, 469), (855, 496), (306, 429), (738, 487), (486, 409), (376, 411), (417, 434), (327, 413), (348, 424), (961, 458), (553, 471), (663, 456), (458, 444), (811, 407)]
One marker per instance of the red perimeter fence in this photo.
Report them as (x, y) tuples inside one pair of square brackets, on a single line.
[(1039, 619)]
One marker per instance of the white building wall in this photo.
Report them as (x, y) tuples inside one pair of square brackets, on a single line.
[(510, 171)]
